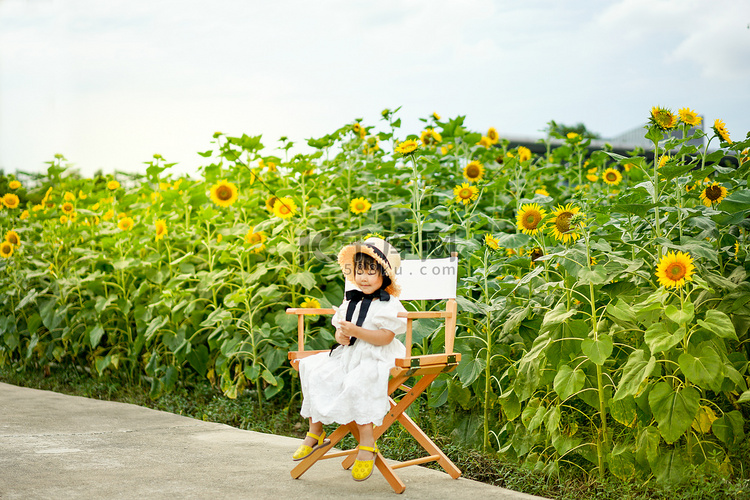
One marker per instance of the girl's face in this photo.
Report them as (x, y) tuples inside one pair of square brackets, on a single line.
[(367, 279)]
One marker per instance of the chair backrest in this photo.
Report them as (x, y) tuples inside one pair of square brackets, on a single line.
[(430, 279)]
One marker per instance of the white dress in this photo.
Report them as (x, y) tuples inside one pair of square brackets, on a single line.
[(351, 384)]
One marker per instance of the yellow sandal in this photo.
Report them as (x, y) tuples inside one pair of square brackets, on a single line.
[(363, 468), (305, 451)]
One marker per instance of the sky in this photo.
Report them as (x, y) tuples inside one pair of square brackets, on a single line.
[(109, 83)]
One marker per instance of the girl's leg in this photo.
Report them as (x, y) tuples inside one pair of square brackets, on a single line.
[(316, 428), (366, 438)]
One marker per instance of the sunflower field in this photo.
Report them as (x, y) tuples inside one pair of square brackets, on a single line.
[(604, 298)]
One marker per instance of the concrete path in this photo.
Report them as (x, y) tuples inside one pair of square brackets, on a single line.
[(58, 447)]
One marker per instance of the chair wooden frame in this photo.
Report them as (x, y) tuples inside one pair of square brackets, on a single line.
[(423, 368)]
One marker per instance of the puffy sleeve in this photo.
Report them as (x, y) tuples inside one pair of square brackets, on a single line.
[(385, 316), (339, 315)]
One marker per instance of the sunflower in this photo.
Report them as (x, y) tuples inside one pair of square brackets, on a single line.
[(530, 218), (429, 136), (493, 135), (664, 160), (436, 116), (542, 191), (113, 185), (63, 219), (689, 117), (82, 195), (535, 254), (255, 240), (560, 227), (270, 203), (126, 224), (407, 147), (359, 205), (474, 171), (310, 303), (713, 194), (592, 177), (284, 208), (161, 229), (720, 129), (14, 184), (491, 241), (224, 193), (612, 176), (13, 238), (628, 167), (675, 269), (524, 153), (24, 215), (67, 207), (485, 142), (465, 193), (10, 200), (356, 128), (6, 250), (663, 118), (69, 196)]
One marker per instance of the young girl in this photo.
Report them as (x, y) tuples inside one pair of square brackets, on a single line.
[(351, 382)]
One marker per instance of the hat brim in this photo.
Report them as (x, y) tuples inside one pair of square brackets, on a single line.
[(346, 262)]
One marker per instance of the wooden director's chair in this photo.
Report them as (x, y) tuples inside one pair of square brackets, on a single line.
[(419, 280)]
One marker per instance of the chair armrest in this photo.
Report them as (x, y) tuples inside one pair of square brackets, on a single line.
[(423, 314), (308, 311)]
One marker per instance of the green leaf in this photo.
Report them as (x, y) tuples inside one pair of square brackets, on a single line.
[(598, 350), (304, 278), (674, 410), (729, 428), (659, 338), (647, 444), (636, 370), (95, 336), (469, 370), (680, 316), (103, 302), (568, 381), (154, 326), (557, 315), (102, 363), (621, 310), (268, 377), (670, 467), (744, 397), (623, 410), (706, 370), (719, 323), (511, 405)]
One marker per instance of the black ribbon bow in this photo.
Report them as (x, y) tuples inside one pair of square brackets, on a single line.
[(356, 296)]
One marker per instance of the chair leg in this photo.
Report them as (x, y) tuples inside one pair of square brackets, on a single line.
[(429, 445), (390, 476), (308, 462)]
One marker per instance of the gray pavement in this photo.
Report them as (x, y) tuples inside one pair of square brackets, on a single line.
[(57, 446)]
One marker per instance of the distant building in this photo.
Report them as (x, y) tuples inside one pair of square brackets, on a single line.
[(624, 144)]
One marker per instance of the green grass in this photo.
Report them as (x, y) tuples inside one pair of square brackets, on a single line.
[(204, 402)]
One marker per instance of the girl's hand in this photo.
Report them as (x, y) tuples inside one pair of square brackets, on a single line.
[(348, 329), (341, 338)]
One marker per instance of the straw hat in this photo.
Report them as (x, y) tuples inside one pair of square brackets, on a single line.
[(384, 254)]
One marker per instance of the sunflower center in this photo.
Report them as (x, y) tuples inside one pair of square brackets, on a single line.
[(465, 194), (532, 219), (611, 176), (472, 171), (713, 193), (562, 222), (13, 239), (224, 193), (676, 271)]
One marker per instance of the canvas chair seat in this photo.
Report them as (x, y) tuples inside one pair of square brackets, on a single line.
[(433, 279)]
